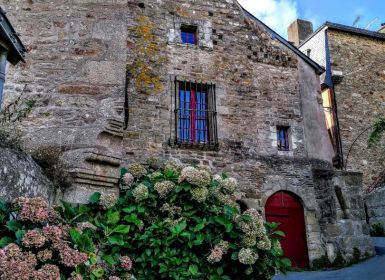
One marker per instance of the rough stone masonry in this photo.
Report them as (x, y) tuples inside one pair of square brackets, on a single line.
[(88, 59)]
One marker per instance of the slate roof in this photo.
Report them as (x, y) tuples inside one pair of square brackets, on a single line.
[(346, 28), (9, 37), (318, 68)]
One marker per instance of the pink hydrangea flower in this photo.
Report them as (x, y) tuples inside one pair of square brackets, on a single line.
[(34, 210), (33, 238), (126, 263), (71, 257)]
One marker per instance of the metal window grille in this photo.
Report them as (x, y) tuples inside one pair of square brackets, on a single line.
[(195, 114), (283, 138)]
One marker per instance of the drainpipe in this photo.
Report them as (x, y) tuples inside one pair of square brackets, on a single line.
[(3, 64)]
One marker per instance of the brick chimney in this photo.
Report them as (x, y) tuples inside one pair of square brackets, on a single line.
[(382, 28), (299, 30)]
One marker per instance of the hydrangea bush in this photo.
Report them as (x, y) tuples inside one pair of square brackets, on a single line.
[(35, 244), (169, 222)]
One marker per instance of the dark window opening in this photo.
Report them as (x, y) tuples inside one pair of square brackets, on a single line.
[(283, 138), (141, 5), (189, 34), (195, 114), (211, 14)]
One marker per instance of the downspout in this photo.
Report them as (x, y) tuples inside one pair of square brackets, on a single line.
[(3, 65)]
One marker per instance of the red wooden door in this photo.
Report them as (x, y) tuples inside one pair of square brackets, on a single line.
[(287, 210)]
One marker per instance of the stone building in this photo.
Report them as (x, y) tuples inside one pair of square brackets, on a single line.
[(202, 82), (353, 90)]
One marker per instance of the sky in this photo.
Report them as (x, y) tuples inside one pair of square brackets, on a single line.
[(278, 14)]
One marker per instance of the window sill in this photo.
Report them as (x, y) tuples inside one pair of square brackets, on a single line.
[(191, 46), (285, 153), (187, 146)]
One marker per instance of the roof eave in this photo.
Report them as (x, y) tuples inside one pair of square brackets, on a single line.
[(345, 28)]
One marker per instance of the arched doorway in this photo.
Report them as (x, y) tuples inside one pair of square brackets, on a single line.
[(285, 208)]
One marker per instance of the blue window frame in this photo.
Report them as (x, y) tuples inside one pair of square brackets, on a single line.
[(195, 115), (189, 35), (283, 138)]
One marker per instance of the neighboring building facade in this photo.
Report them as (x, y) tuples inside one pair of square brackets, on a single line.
[(202, 82), (353, 90)]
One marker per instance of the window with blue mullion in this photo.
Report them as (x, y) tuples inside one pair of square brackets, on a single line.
[(283, 138), (189, 35), (192, 125)]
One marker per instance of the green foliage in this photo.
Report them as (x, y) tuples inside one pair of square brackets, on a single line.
[(377, 230), (321, 263), (377, 132), (184, 233), (170, 237)]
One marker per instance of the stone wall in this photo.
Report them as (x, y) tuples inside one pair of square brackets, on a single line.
[(360, 98), (21, 176), (88, 58), (342, 218), (76, 71), (375, 206)]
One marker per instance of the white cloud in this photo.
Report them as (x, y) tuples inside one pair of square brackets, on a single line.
[(277, 14)]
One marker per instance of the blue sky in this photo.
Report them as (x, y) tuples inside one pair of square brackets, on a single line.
[(278, 14)]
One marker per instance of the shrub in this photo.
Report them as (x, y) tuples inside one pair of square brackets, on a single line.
[(175, 224), (377, 230), (32, 248), (170, 223)]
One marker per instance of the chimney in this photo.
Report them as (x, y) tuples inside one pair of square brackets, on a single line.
[(299, 30), (382, 28)]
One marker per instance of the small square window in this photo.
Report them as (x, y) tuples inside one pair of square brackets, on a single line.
[(189, 35), (283, 138)]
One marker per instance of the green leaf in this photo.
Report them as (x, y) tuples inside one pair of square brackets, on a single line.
[(5, 241), (199, 227), (279, 233), (98, 272), (246, 218), (75, 235), (286, 262), (193, 269), (199, 239), (179, 228), (124, 229), (95, 198), (14, 225), (133, 218), (116, 240), (69, 211), (234, 256), (113, 218), (123, 172), (129, 209), (110, 260), (19, 234)]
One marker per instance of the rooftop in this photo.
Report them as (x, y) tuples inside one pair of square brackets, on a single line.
[(346, 28)]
